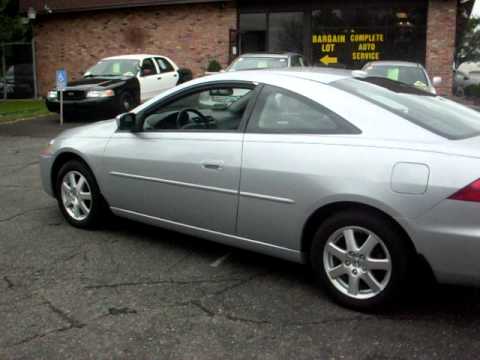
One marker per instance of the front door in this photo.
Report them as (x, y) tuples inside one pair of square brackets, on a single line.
[(149, 79), (185, 164)]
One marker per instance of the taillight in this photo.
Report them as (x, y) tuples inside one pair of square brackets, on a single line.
[(468, 193)]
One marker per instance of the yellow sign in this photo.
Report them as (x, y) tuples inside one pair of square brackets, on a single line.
[(358, 47), (366, 38), (366, 49), (327, 60), (329, 38)]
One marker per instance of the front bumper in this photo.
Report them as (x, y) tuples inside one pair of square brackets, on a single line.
[(93, 104)]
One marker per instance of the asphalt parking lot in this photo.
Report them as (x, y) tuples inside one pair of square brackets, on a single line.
[(131, 291)]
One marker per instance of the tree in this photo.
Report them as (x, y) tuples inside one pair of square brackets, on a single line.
[(12, 26), (469, 46)]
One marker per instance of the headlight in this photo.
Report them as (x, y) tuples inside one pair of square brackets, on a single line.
[(52, 94), (49, 148), (100, 93)]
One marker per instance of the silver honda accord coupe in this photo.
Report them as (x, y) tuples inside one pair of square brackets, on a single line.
[(357, 176)]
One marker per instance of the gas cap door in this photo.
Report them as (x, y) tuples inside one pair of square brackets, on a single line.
[(410, 178)]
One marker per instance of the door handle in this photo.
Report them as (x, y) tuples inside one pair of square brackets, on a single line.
[(212, 165), (159, 78), (174, 75)]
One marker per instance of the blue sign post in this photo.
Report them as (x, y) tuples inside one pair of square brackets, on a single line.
[(61, 78)]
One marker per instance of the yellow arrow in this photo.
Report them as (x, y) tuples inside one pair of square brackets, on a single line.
[(327, 60)]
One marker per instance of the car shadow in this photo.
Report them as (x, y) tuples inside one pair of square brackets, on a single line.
[(424, 300)]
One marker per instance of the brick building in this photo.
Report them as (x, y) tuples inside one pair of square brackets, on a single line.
[(341, 33)]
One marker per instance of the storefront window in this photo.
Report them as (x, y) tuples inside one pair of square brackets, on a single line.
[(253, 32), (285, 32), (345, 34), (350, 37)]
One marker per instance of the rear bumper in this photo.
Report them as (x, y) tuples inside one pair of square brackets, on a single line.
[(448, 236), (100, 104)]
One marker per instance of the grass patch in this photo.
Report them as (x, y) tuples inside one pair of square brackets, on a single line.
[(11, 110)]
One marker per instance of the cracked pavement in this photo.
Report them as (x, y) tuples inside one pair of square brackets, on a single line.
[(131, 291)]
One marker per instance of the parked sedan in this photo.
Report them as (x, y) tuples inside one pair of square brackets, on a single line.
[(118, 84), (257, 61), (462, 82), (409, 73), (359, 177)]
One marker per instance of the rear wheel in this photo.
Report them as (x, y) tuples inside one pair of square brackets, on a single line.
[(78, 195), (360, 259)]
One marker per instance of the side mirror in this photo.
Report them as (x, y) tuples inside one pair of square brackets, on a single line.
[(126, 122), (437, 80)]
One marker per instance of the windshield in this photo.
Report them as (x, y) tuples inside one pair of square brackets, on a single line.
[(251, 63), (406, 74), (436, 114), (115, 67)]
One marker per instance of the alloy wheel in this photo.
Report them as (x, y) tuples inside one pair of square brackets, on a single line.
[(357, 262), (76, 195)]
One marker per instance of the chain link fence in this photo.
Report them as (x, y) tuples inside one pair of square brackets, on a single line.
[(17, 71)]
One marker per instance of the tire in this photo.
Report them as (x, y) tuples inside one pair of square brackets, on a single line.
[(126, 102), (348, 276), (70, 198)]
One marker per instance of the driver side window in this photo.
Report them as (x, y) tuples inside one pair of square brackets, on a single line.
[(213, 109)]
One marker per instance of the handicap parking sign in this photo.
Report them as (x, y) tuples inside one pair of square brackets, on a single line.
[(61, 79)]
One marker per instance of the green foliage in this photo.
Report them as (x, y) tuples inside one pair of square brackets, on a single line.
[(473, 91), (469, 45), (11, 25), (214, 66)]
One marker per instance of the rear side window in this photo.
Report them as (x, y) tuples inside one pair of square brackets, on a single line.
[(164, 65), (282, 111), (436, 114)]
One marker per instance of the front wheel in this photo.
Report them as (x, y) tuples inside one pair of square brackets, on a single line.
[(361, 259), (125, 102), (78, 195)]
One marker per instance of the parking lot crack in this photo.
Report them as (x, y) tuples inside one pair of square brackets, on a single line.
[(159, 282), (41, 335), (74, 323), (328, 320), (23, 167), (202, 307), (240, 283), (121, 311), (24, 213), (8, 281), (246, 320)]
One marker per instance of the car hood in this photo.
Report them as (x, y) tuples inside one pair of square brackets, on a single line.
[(101, 129), (97, 83)]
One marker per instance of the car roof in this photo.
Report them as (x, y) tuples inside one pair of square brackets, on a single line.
[(317, 74), (132, 57), (270, 55), (393, 63)]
